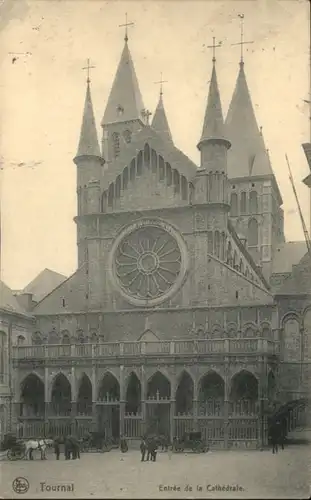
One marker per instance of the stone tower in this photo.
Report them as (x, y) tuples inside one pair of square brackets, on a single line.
[(255, 197)]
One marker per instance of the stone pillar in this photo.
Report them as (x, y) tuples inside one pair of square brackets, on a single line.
[(226, 405), (195, 407), (263, 404), (73, 413), (172, 420), (122, 401), (143, 401), (94, 399), (47, 401)]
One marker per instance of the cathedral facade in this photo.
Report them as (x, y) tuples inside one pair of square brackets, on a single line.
[(175, 319)]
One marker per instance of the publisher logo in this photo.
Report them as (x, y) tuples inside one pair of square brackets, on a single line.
[(20, 485)]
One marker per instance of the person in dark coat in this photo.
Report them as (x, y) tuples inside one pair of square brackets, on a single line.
[(154, 451), (275, 434), (123, 444), (151, 447), (67, 447), (143, 448), (57, 447), (75, 447)]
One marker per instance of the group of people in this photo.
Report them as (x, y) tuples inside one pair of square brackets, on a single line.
[(149, 446), (71, 447)]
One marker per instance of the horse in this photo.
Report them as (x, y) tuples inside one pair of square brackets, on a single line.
[(37, 444)]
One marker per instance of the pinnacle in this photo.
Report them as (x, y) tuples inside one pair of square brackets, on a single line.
[(160, 122), (88, 144)]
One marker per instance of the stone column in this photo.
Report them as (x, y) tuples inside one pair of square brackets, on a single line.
[(47, 401), (195, 408), (122, 401), (226, 405), (73, 413), (263, 403), (94, 398), (143, 398), (172, 420)]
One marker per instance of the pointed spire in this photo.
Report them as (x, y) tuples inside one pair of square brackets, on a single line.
[(88, 144), (213, 127), (160, 123), (248, 155), (125, 102)]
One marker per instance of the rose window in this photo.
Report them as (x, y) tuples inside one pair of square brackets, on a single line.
[(148, 263)]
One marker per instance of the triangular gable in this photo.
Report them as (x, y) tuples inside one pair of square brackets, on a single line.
[(8, 302), (170, 154), (44, 283), (148, 336), (299, 281), (69, 296)]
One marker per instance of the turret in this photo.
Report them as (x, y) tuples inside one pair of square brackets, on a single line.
[(211, 184), (88, 158), (160, 122)]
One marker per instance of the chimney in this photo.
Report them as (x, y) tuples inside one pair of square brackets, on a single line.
[(25, 300)]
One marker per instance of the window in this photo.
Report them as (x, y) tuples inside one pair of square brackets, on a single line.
[(139, 163), (2, 356), (104, 201), (169, 176), (154, 161), (234, 204), (184, 188), (127, 134), (125, 177), (116, 144), (110, 195), (161, 169), (253, 202), (132, 170), (176, 181), (20, 340), (210, 242), (147, 156), (217, 244), (252, 239), (118, 187), (243, 203)]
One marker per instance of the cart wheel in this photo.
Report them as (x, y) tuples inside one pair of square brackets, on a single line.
[(11, 455)]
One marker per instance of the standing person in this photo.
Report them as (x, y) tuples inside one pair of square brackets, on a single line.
[(143, 449), (154, 451), (123, 444), (57, 447)]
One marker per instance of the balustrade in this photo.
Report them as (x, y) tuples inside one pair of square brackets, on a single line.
[(173, 347)]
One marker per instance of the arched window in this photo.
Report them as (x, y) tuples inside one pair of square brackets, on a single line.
[(252, 239), (110, 195), (104, 201), (184, 188), (235, 259), (241, 267), (223, 246), (217, 244), (243, 203), (132, 170), (253, 202), (36, 338), (118, 187), (127, 134), (2, 356), (210, 242), (176, 181), (154, 161), (147, 156), (116, 144), (125, 177), (161, 169), (20, 340), (234, 204), (229, 254), (169, 175), (139, 163)]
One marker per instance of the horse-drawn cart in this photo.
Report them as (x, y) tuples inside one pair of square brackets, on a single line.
[(15, 448), (96, 441), (191, 441)]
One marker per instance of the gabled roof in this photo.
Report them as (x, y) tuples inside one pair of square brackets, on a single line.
[(73, 290), (287, 255), (248, 155), (170, 153), (125, 101), (299, 281), (8, 302), (88, 144), (44, 283), (213, 126), (160, 123)]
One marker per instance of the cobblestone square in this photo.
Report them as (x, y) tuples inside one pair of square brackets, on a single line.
[(253, 474)]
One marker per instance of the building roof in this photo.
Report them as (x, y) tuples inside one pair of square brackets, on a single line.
[(213, 125), (8, 302), (307, 150), (170, 153), (160, 123), (44, 283), (287, 255), (247, 156), (299, 281), (88, 144), (68, 296), (125, 101)]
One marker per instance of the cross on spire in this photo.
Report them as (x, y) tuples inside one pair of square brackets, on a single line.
[(88, 67), (161, 84), (146, 114), (125, 25), (214, 47), (241, 16)]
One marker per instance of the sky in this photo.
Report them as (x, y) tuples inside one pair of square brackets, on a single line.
[(44, 45)]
